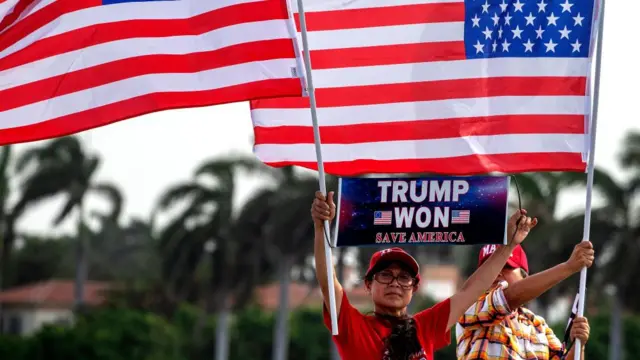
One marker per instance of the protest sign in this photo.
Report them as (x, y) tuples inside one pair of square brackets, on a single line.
[(426, 210)]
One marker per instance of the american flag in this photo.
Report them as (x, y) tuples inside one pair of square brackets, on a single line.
[(382, 218), (460, 216), (445, 86), (72, 65)]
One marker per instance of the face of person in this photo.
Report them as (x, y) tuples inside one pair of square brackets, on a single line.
[(510, 275), (392, 289)]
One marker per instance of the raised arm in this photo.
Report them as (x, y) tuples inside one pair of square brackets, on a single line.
[(323, 209), (520, 225), (533, 286)]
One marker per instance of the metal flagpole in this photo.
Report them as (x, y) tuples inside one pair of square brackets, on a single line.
[(321, 177), (590, 170)]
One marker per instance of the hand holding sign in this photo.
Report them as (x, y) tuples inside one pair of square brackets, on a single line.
[(322, 209), (519, 226)]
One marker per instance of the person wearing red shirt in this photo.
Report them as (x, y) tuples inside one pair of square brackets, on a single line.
[(391, 279)]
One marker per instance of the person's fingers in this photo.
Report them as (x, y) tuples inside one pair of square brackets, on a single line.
[(322, 209), (321, 204), (582, 334), (580, 325), (319, 196), (534, 222), (585, 245), (525, 223), (321, 216), (516, 215), (330, 199)]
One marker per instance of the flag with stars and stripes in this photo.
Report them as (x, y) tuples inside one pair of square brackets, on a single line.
[(72, 65), (443, 86)]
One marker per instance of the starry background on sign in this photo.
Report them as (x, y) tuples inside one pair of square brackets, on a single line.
[(527, 28), (486, 200)]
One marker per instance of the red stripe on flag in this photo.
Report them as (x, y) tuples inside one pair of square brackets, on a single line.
[(108, 114), (426, 129), (154, 64), (382, 16), (18, 9), (103, 33), (387, 55), (42, 18), (463, 165), (432, 90)]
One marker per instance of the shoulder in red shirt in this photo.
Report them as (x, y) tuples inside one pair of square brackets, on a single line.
[(361, 337)]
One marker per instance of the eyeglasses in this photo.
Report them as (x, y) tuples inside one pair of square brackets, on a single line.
[(386, 278)]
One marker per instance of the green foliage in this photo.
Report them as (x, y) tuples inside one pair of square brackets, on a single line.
[(598, 345), (104, 335)]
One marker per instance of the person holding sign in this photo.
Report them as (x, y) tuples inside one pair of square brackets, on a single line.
[(391, 279), (498, 326)]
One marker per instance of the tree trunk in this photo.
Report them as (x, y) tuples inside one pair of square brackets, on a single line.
[(281, 335), (222, 332), (81, 262), (4, 256), (615, 331)]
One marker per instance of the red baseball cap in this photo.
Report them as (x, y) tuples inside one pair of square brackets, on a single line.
[(393, 254), (518, 258)]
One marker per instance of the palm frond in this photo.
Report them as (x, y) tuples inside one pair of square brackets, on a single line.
[(226, 167), (89, 167), (603, 182), (528, 186), (114, 196), (630, 156), (5, 159), (180, 192), (47, 182), (69, 205), (28, 158)]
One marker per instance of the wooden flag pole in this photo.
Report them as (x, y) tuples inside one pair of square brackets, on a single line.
[(321, 176), (590, 170)]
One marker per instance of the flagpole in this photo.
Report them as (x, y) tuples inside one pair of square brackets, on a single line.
[(590, 171), (321, 176)]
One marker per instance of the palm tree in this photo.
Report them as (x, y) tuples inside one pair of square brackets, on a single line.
[(63, 166), (9, 214), (619, 230), (287, 240), (5, 213), (208, 221), (124, 253)]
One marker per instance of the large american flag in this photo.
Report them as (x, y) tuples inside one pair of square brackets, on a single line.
[(72, 65), (446, 86)]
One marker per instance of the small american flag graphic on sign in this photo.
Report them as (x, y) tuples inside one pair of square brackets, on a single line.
[(460, 216), (382, 218)]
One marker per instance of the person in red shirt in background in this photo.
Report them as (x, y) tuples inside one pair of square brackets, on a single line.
[(391, 279)]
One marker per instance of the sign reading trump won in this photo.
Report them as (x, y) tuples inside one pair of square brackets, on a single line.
[(429, 210)]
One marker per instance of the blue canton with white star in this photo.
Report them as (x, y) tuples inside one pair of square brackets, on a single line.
[(527, 28)]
